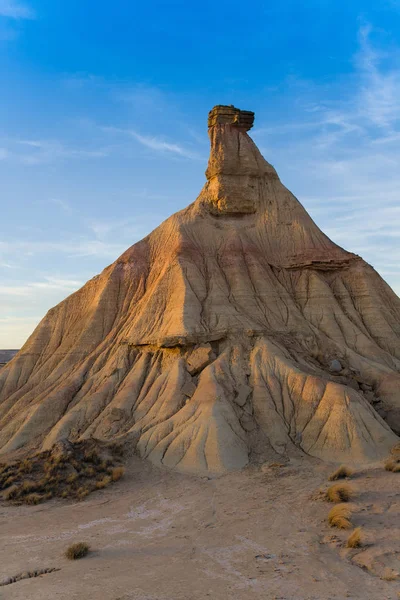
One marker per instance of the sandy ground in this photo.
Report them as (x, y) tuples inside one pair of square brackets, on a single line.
[(159, 535)]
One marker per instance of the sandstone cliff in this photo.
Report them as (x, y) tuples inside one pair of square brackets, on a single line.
[(235, 331)]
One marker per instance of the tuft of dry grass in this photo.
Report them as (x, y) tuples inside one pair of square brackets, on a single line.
[(102, 483), (340, 492), (341, 473), (11, 493), (339, 516), (25, 466), (389, 574), (395, 450), (82, 492), (355, 539), (392, 463), (76, 551), (89, 472), (117, 473), (33, 499)]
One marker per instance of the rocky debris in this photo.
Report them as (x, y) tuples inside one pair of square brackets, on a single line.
[(205, 344), (199, 358)]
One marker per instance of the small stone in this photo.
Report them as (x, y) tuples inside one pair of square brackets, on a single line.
[(189, 389), (199, 358), (365, 387), (244, 392), (335, 366)]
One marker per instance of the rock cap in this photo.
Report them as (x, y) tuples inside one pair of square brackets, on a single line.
[(229, 115)]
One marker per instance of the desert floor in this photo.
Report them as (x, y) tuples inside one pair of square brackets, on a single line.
[(159, 535)]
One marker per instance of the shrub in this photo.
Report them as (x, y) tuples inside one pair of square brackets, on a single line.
[(83, 492), (395, 450), (33, 499), (91, 456), (117, 473), (117, 449), (89, 472), (77, 551), (339, 516), (103, 482), (341, 473), (11, 493), (25, 466), (355, 539), (393, 464), (340, 492)]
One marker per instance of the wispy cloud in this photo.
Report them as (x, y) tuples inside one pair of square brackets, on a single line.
[(38, 152), (16, 10), (63, 204), (154, 142)]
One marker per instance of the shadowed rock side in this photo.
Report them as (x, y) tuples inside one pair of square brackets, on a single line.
[(235, 331)]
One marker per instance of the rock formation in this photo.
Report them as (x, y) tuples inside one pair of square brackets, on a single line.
[(235, 331)]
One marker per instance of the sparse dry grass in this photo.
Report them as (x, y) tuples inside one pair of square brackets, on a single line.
[(389, 574), (340, 492), (102, 483), (355, 539), (395, 450), (117, 473), (339, 516), (341, 473), (69, 473), (77, 551), (392, 463), (33, 499)]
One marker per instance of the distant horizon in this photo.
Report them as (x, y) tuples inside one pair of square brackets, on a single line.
[(104, 128)]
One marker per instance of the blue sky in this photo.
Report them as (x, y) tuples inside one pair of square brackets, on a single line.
[(103, 110)]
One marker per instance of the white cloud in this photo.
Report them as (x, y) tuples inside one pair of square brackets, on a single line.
[(154, 142), (157, 144), (37, 152), (63, 204), (45, 151), (15, 10)]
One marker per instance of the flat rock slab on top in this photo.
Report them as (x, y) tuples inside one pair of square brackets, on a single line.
[(229, 115)]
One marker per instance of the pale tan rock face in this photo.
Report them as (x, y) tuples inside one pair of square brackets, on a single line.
[(210, 342)]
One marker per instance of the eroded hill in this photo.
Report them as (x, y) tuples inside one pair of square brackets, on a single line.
[(235, 331)]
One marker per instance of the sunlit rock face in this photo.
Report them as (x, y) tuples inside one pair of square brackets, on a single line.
[(236, 331)]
